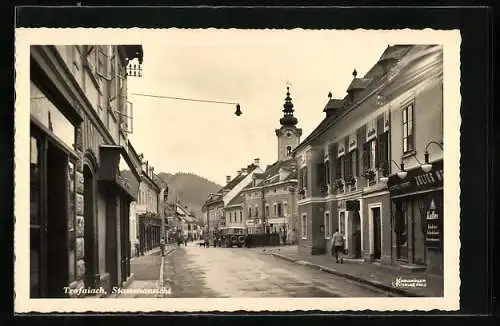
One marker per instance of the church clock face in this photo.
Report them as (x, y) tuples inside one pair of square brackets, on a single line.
[(288, 134)]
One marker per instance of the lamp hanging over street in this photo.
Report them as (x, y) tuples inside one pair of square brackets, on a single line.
[(238, 110), (426, 167), (401, 174)]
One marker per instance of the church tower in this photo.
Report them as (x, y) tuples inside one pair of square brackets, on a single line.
[(288, 135)]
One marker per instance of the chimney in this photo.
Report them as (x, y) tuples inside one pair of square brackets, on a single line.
[(244, 171), (228, 178), (256, 161), (238, 172)]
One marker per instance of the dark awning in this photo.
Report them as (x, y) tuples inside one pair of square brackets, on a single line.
[(109, 170), (417, 180)]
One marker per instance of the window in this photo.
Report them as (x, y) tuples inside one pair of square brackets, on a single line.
[(249, 212), (383, 148), (280, 212), (407, 112), (348, 166), (267, 210), (303, 177), (327, 172), (328, 230), (285, 209), (241, 216), (275, 207), (370, 155), (256, 211), (338, 167), (288, 150), (303, 226)]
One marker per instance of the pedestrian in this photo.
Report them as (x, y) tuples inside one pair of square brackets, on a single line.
[(162, 246), (338, 246)]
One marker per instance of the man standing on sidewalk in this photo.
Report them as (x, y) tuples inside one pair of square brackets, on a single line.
[(338, 245)]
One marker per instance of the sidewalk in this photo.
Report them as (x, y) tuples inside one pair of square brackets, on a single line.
[(379, 276), (147, 276)]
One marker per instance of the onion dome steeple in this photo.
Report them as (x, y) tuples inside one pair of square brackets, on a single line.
[(288, 118)]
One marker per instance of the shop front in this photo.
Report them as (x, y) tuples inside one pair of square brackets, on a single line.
[(150, 232), (118, 194), (417, 218), (55, 246)]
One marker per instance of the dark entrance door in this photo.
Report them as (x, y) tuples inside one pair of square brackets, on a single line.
[(377, 245), (57, 259), (49, 255)]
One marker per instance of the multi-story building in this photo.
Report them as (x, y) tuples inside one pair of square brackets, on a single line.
[(147, 210), (214, 207), (344, 162), (79, 126)]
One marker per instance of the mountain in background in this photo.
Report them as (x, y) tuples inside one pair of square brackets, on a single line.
[(191, 189)]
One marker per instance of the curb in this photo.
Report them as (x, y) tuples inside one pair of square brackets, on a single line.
[(349, 276)]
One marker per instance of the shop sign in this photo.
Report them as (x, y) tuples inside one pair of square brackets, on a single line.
[(432, 228), (417, 180)]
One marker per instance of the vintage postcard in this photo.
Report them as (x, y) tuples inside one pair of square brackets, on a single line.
[(264, 170)]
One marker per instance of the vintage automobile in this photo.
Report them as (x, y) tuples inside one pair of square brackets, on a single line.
[(233, 236)]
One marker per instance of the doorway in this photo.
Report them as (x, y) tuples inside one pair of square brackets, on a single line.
[(49, 187), (89, 213), (377, 243), (57, 214)]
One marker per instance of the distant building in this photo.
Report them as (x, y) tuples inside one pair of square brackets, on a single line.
[(214, 207)]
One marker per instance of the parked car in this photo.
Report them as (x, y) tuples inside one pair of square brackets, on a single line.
[(234, 236)]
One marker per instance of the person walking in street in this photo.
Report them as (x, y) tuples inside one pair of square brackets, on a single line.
[(338, 246)]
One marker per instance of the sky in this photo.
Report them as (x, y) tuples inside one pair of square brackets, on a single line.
[(250, 67)]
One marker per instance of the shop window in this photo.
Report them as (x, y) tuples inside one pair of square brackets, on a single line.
[(407, 122), (303, 226)]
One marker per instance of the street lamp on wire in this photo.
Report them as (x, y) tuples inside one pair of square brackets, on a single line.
[(238, 107)]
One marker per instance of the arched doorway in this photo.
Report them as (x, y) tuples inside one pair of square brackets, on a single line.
[(89, 215)]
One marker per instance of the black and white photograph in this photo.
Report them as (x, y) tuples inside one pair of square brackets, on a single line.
[(227, 169)]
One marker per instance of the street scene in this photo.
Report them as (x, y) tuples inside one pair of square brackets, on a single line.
[(192, 272), (232, 164)]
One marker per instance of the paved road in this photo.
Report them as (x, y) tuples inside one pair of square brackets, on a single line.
[(241, 272)]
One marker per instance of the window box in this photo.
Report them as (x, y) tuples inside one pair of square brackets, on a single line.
[(369, 175), (339, 185), (350, 181)]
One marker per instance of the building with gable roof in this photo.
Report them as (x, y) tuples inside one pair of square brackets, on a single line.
[(362, 146), (214, 207)]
